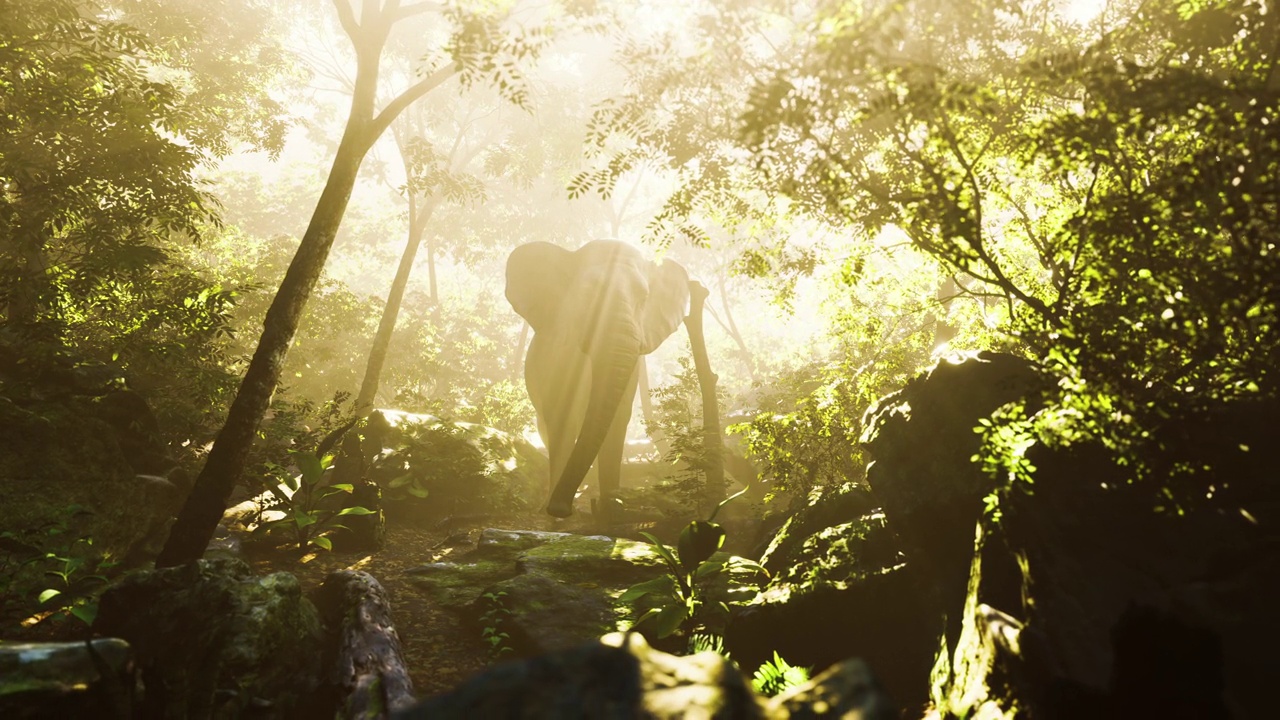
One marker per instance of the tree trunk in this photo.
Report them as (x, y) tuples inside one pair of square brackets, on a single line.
[(391, 311), (656, 434), (713, 442), (732, 327), (208, 500), (432, 288), (199, 517)]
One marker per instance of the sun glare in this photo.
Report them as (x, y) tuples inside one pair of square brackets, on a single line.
[(1083, 11)]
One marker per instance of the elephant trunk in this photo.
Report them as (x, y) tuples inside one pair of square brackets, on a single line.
[(612, 367)]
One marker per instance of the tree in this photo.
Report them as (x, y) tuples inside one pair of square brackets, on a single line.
[(1114, 187), (430, 179), (472, 52), (94, 175)]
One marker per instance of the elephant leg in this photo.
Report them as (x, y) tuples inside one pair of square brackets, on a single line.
[(558, 384), (609, 463)]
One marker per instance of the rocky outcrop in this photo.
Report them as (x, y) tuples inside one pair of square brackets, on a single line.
[(875, 568), (210, 636), (556, 590), (1089, 596), (1133, 612)]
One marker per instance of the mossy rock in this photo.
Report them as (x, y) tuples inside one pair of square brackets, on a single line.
[(212, 628), (461, 467)]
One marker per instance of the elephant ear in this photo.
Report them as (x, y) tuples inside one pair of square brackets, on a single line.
[(666, 305), (537, 275)]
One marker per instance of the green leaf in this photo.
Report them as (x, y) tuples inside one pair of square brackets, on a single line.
[(669, 619), (664, 551), (87, 612), (50, 593), (343, 487), (400, 481), (418, 492), (322, 542), (303, 519), (355, 510), (309, 465), (662, 585), (743, 564), (708, 568), (698, 541)]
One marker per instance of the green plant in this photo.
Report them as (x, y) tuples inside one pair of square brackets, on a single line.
[(455, 464), (299, 497), (79, 575), (777, 675), (29, 556), (682, 593), (493, 623)]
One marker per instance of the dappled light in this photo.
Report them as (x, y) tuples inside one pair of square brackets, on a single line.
[(733, 358)]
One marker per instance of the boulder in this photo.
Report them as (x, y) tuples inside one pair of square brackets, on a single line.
[(1131, 611), (209, 636), (617, 677), (921, 440), (876, 569), (557, 589), (847, 690), (621, 676)]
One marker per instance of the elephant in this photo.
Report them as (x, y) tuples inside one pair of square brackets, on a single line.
[(595, 312)]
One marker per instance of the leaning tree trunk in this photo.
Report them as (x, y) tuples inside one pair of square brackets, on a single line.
[(199, 516), (391, 311), (712, 441)]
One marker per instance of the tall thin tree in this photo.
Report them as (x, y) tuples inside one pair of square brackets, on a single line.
[(368, 31)]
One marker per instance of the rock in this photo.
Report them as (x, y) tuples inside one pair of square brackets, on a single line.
[(1124, 600), (1131, 611), (840, 587), (210, 634), (874, 570), (557, 588), (67, 680), (463, 468), (922, 439), (882, 617), (367, 673), (619, 677)]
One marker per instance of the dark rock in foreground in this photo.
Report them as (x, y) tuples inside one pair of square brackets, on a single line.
[(67, 680), (211, 636), (621, 677)]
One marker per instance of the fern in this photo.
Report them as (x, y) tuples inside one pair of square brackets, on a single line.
[(777, 675)]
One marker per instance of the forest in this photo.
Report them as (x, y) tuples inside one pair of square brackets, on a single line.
[(602, 359)]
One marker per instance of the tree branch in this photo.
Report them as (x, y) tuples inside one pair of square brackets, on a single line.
[(347, 17), (406, 98)]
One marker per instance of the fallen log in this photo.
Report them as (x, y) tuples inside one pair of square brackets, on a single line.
[(367, 673)]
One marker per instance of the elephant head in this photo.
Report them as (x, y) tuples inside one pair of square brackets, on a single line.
[(594, 312)]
